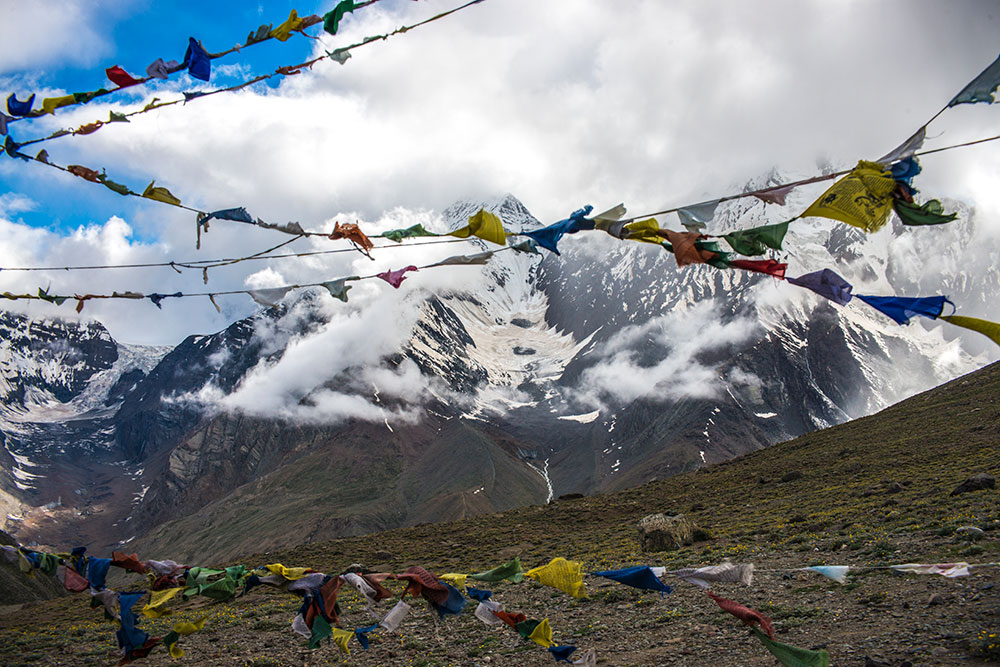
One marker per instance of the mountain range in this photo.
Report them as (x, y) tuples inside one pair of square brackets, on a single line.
[(528, 378)]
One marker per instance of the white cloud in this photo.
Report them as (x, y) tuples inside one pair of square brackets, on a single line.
[(34, 34), (659, 359)]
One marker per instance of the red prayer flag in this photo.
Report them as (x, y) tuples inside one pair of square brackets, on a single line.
[(120, 77), (768, 266), (745, 614)]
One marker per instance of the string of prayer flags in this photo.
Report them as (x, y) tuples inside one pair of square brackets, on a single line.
[(861, 199), (484, 225), (836, 572), (949, 570), (792, 656), (696, 217), (756, 240), (396, 278), (769, 266), (412, 231), (827, 284), (510, 570), (160, 194), (745, 614), (640, 576), (930, 213), (548, 237), (900, 308), (565, 575), (989, 329), (703, 577), (981, 88), (331, 20)]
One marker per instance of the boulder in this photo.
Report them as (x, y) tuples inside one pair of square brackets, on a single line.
[(977, 482), (659, 532)]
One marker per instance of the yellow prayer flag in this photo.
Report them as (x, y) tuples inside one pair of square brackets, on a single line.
[(455, 579), (160, 194), (989, 329), (290, 573), (486, 226), (542, 634), (284, 31), (862, 199), (50, 104), (157, 599), (341, 637), (645, 231), (187, 628), (566, 575)]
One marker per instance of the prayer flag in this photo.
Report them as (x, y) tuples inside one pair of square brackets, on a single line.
[(120, 77), (484, 225), (745, 614), (396, 278), (768, 266), (331, 20), (862, 199), (160, 194), (640, 576), (901, 308), (338, 288), (548, 237), (284, 30), (542, 634), (827, 284), (981, 88), (756, 240), (50, 104), (197, 61), (561, 653), (791, 656), (398, 235), (931, 213), (905, 149), (985, 327), (836, 572), (18, 108), (696, 217), (566, 575)]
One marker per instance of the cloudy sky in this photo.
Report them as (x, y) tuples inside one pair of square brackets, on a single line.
[(561, 102)]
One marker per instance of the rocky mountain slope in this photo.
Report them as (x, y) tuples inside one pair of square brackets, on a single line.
[(824, 498), (595, 370)]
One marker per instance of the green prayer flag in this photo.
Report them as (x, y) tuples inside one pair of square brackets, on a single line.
[(320, 630), (511, 570), (525, 628), (931, 213), (114, 117), (111, 185), (160, 194), (791, 656), (331, 20), (398, 235), (756, 240), (45, 296)]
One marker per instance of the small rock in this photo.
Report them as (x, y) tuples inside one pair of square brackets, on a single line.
[(791, 476), (971, 532), (939, 652), (935, 599), (977, 482), (895, 487), (383, 556)]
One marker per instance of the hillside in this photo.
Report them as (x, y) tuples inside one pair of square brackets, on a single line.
[(872, 491)]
